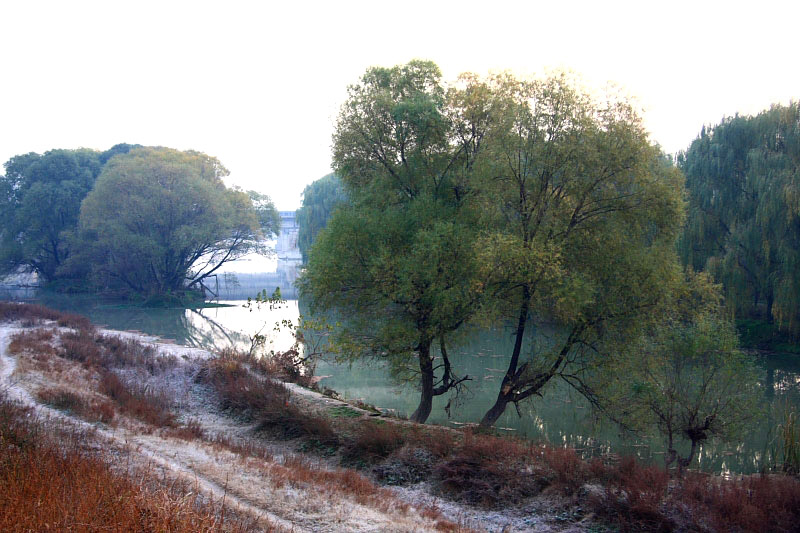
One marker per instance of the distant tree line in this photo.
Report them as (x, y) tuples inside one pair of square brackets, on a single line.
[(743, 225), (132, 220)]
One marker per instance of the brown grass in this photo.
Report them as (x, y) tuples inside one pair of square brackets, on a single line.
[(34, 341), (478, 469), (753, 503), (373, 441), (137, 401), (48, 484), (263, 400), (91, 410), (488, 472), (33, 314), (191, 430)]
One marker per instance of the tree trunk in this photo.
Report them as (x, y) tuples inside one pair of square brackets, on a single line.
[(495, 412), (507, 386), (426, 377)]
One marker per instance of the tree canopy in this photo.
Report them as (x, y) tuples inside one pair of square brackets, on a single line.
[(516, 199), (581, 214), (159, 221), (400, 256), (743, 180), (320, 199), (40, 198)]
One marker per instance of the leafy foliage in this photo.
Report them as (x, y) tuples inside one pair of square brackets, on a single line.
[(686, 376), (743, 178), (400, 257), (40, 197), (159, 220), (580, 215), (320, 199)]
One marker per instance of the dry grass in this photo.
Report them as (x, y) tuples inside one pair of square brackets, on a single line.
[(102, 357), (191, 430), (489, 472), (137, 401), (48, 484), (261, 399), (33, 341), (91, 410), (477, 469), (373, 441), (32, 315)]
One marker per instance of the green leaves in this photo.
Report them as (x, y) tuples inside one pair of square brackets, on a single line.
[(744, 226), (159, 220), (40, 197)]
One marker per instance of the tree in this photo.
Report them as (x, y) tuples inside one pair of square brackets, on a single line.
[(160, 221), (400, 259), (686, 376), (320, 199), (743, 180), (581, 215), (40, 198), (268, 217)]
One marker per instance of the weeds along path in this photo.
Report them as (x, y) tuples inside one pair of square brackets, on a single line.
[(278, 489)]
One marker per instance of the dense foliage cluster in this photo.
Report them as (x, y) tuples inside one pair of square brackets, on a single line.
[(149, 221), (40, 200), (743, 180), (320, 199)]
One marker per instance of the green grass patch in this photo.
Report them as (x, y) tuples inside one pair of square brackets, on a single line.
[(341, 411)]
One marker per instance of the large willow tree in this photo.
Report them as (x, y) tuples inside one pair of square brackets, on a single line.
[(160, 221), (505, 199), (581, 214), (40, 198), (743, 179), (399, 260), (320, 199)]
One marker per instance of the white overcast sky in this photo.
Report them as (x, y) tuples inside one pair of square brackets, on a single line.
[(259, 84)]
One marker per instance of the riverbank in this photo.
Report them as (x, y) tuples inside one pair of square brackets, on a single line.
[(268, 455)]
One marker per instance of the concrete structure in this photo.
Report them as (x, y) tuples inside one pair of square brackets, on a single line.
[(286, 247)]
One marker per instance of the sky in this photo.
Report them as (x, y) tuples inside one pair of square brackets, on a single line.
[(259, 84)]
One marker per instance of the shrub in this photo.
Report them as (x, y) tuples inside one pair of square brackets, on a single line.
[(35, 341), (290, 422), (239, 390), (65, 400), (137, 401), (489, 472), (33, 314), (80, 346), (373, 441)]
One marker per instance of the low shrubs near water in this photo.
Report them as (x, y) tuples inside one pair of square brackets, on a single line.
[(256, 397), (32, 315)]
